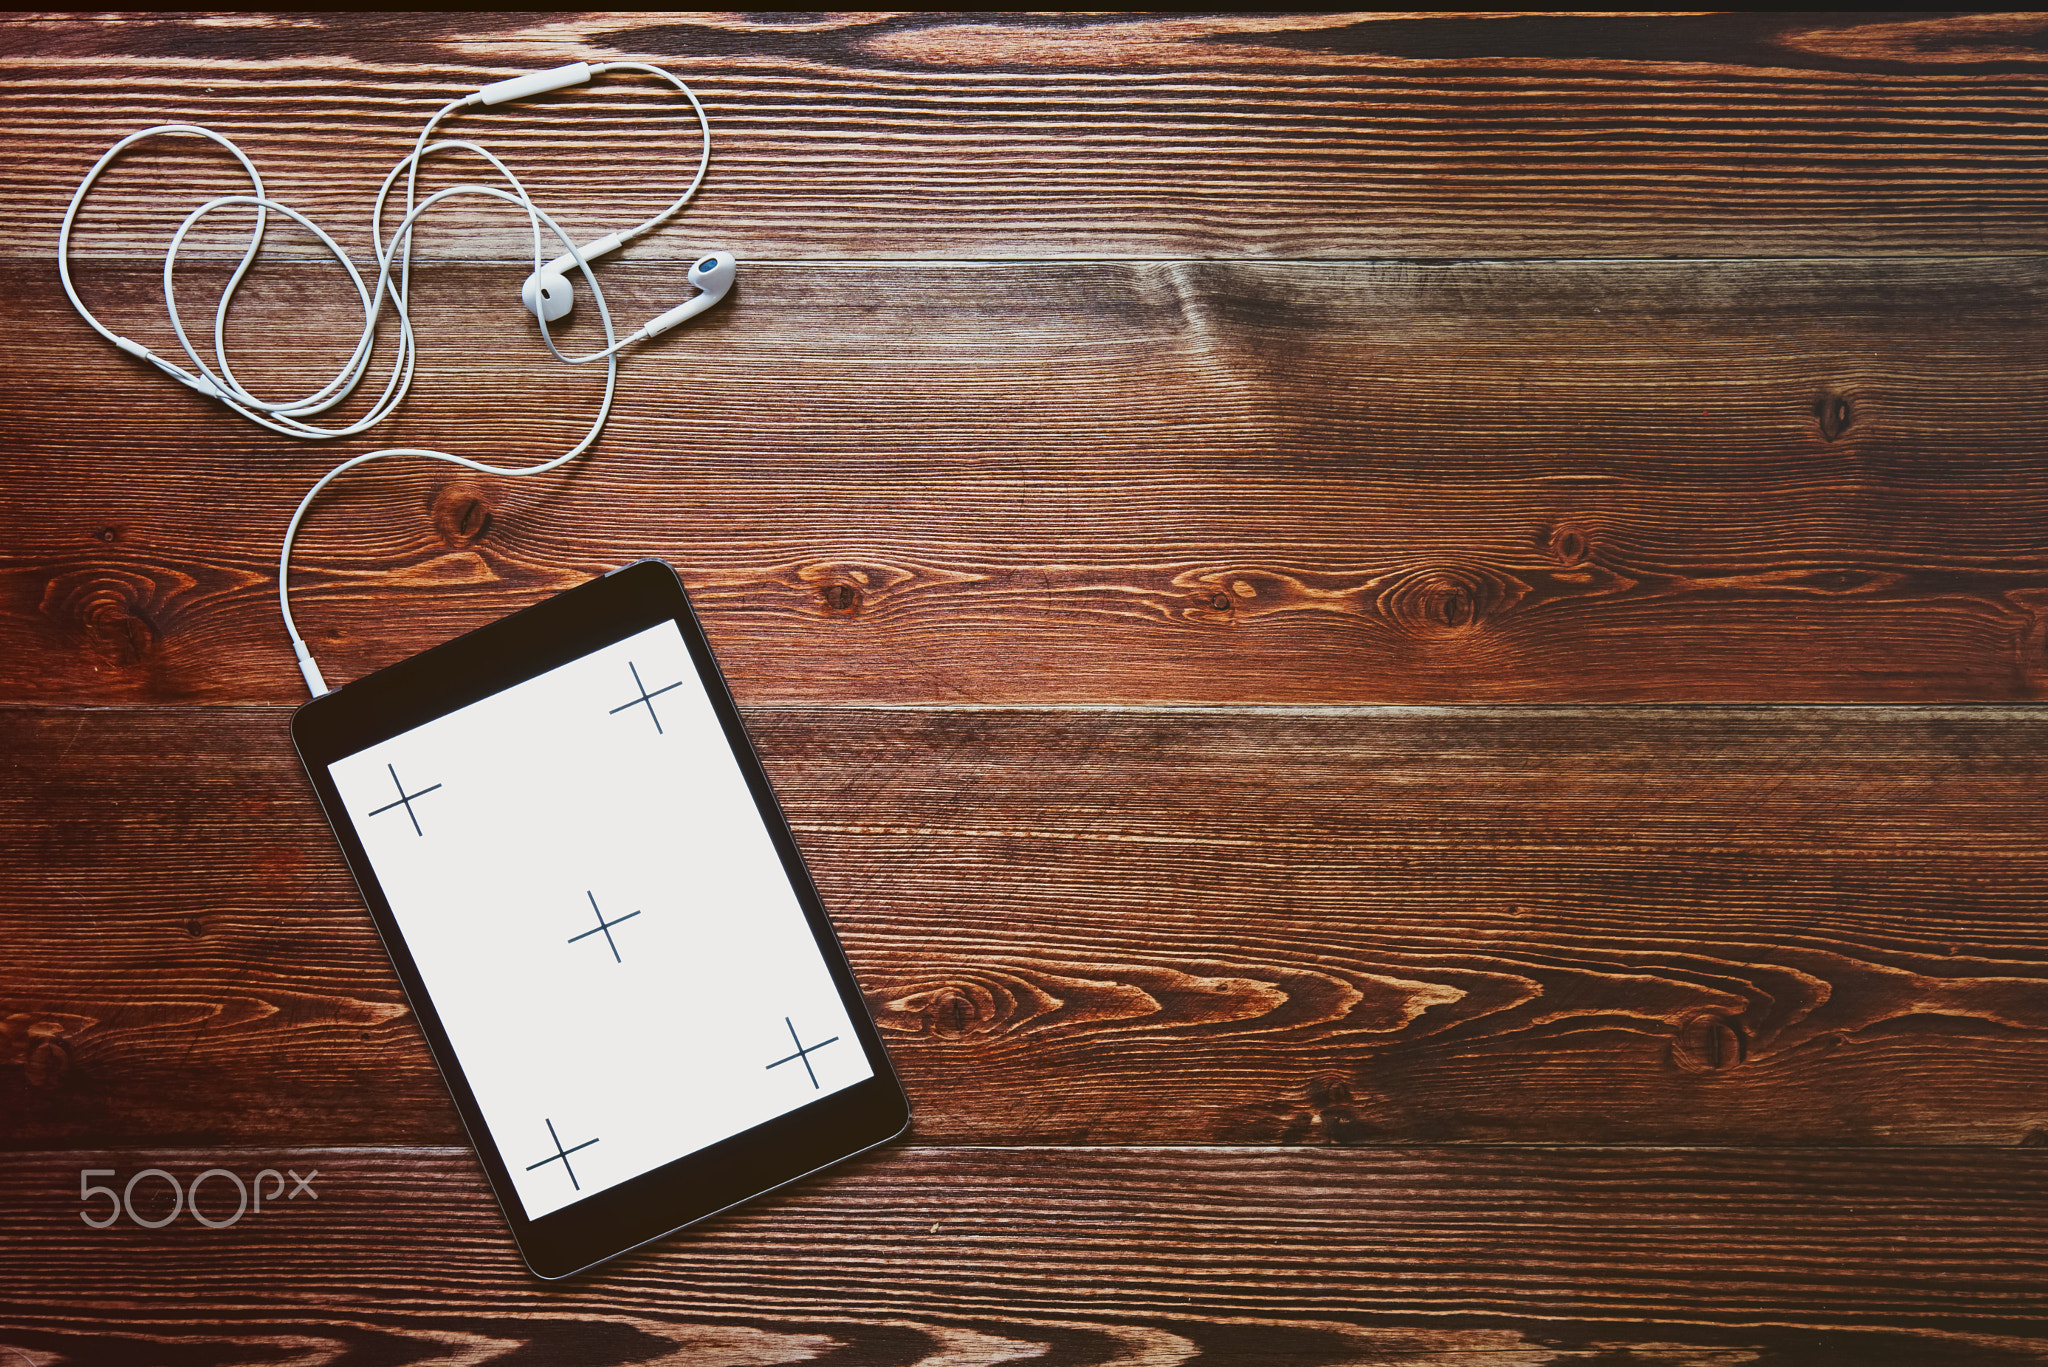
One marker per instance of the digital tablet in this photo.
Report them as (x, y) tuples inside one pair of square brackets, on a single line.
[(600, 919)]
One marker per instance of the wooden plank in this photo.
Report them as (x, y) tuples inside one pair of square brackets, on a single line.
[(1025, 136), (1565, 926), (1074, 1256), (1766, 481)]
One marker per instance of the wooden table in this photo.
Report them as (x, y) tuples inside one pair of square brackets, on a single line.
[(1406, 649)]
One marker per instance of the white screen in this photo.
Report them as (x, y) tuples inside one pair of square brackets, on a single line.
[(601, 919)]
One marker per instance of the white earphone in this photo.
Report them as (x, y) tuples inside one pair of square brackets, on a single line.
[(547, 293)]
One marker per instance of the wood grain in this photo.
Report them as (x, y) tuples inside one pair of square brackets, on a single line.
[(1078, 1256), (1213, 926), (1025, 136), (1197, 482), (1084, 368)]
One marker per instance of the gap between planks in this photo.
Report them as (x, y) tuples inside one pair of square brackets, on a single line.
[(2014, 712), (203, 255)]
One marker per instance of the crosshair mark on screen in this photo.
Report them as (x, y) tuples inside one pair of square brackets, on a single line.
[(645, 697), (603, 926), (405, 799), (561, 1155), (803, 1052)]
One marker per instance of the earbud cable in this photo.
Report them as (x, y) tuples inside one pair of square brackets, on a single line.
[(288, 417)]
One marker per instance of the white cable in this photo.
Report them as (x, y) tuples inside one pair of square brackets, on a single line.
[(394, 258)]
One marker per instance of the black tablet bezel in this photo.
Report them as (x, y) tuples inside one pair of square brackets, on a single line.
[(487, 661)]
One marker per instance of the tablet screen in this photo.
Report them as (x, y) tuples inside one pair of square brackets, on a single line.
[(585, 883)]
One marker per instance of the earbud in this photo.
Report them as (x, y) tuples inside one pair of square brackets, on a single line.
[(713, 274), (549, 288), (548, 294)]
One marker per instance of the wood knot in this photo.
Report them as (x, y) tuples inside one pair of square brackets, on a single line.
[(1708, 1043), (110, 608), (110, 534), (948, 1011), (952, 1014), (1329, 1089), (47, 1062), (461, 514), (1570, 545), (1834, 415), (1331, 1098), (39, 1044), (2034, 1139), (1439, 603), (848, 588)]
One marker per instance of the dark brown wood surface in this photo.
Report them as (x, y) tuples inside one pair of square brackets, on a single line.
[(935, 1256), (1151, 927), (1111, 482), (1024, 136), (1276, 563)]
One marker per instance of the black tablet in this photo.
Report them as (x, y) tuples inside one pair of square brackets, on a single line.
[(600, 919)]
